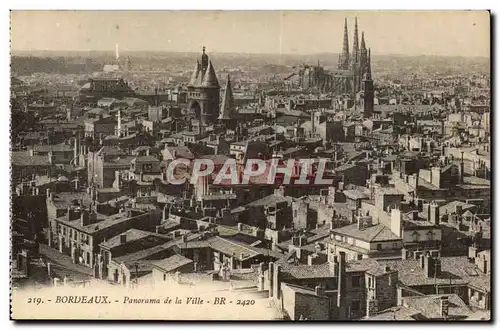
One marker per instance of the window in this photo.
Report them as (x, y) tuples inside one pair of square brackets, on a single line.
[(395, 245), (379, 246), (164, 277), (416, 236), (356, 281)]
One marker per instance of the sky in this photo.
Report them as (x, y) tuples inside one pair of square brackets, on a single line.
[(444, 33)]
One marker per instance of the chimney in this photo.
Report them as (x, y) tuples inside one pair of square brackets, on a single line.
[(472, 252), (302, 240), (360, 222), (437, 266), (68, 214), (353, 217), (444, 306), (458, 209), (123, 238), (117, 180), (404, 254), (52, 158), (387, 268), (319, 290), (76, 149), (462, 168), (429, 266), (240, 226), (242, 256), (396, 222), (276, 281), (184, 238), (85, 218), (341, 280), (434, 213), (47, 192)]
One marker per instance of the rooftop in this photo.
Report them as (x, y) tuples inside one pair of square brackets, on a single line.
[(173, 263)]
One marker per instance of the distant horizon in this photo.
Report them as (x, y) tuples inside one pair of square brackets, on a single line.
[(409, 33), (111, 52)]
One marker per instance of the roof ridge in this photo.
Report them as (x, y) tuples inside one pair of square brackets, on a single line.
[(377, 233)]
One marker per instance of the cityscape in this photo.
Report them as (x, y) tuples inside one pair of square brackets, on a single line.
[(345, 185)]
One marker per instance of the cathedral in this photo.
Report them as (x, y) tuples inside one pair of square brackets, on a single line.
[(353, 67)]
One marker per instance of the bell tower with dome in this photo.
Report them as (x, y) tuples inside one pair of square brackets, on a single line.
[(204, 91)]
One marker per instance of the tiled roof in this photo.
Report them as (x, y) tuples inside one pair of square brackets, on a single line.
[(102, 223), (304, 271), (131, 235), (375, 233), (22, 158), (239, 250), (451, 207), (399, 313), (429, 306), (269, 200), (61, 147), (171, 264), (457, 270)]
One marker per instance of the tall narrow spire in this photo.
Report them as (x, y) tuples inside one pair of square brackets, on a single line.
[(363, 45), (369, 65), (226, 108), (355, 43), (345, 48)]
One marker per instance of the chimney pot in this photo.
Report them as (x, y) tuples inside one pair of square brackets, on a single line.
[(123, 238), (319, 290)]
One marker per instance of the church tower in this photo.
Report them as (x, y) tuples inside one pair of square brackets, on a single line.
[(368, 90), (363, 57), (355, 47), (344, 57), (226, 116), (204, 92), (355, 65)]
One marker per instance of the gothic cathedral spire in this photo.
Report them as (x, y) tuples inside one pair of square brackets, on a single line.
[(355, 44), (363, 45), (344, 63), (369, 65)]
